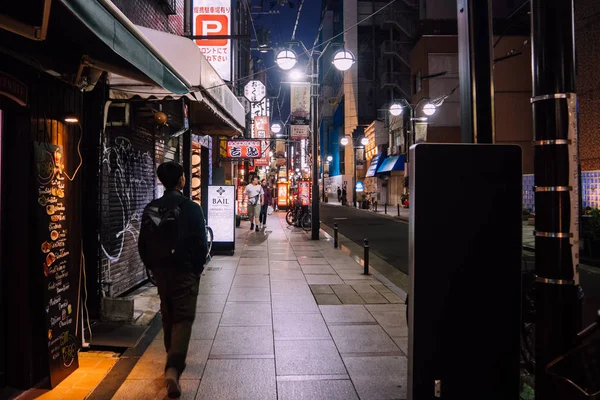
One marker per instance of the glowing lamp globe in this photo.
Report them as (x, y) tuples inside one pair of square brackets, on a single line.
[(344, 141), (343, 60), (276, 128), (329, 158), (395, 109), (286, 59), (364, 141), (429, 109)]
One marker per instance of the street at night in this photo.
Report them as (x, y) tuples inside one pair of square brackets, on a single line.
[(299, 199), (388, 237)]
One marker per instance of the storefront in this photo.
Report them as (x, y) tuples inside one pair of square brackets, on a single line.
[(391, 175), (373, 185), (70, 156)]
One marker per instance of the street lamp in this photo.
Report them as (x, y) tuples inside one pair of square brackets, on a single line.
[(342, 60), (329, 158), (276, 128), (364, 141), (286, 59), (429, 109), (396, 109)]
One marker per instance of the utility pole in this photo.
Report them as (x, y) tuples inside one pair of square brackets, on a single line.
[(475, 65), (314, 115), (187, 18), (556, 155)]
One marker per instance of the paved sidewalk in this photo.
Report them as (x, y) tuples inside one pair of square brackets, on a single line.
[(260, 333)]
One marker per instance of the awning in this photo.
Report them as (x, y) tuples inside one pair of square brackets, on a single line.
[(206, 86), (394, 163), (117, 32), (375, 163)]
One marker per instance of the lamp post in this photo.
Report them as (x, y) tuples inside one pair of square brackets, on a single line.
[(342, 60), (429, 109), (363, 142)]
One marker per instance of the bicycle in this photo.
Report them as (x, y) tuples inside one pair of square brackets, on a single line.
[(209, 242), (297, 216), (577, 372)]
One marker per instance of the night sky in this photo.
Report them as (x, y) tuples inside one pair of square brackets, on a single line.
[(281, 27)]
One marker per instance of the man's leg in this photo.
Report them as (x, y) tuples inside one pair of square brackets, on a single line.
[(183, 297), (166, 306)]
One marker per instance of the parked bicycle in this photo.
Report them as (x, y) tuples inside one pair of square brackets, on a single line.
[(577, 372), (209, 242), (299, 216)]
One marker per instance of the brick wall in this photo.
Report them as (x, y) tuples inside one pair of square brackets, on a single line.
[(587, 27), (150, 14)]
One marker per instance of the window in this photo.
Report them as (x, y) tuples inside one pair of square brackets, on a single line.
[(169, 6), (342, 161)]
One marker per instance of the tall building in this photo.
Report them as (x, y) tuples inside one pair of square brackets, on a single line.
[(381, 37)]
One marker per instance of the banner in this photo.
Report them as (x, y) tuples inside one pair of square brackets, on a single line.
[(243, 149), (300, 103), (213, 18), (261, 127)]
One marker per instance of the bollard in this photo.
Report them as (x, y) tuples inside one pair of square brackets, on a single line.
[(375, 207), (366, 258), (335, 236), (398, 209), (385, 207)]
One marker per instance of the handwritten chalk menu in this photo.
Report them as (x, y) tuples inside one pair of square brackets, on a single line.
[(59, 273)]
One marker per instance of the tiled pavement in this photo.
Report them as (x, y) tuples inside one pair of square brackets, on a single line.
[(260, 333)]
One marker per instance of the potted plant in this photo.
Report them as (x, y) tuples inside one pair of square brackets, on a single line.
[(591, 232)]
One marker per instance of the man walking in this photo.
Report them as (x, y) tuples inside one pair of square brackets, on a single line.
[(255, 194), (172, 244), (268, 199)]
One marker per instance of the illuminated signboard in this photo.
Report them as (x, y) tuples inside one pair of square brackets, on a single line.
[(282, 194), (261, 126), (243, 149), (213, 18), (304, 189)]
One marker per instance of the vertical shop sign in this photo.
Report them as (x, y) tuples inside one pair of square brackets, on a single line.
[(304, 189), (213, 18), (282, 194), (55, 261), (221, 213), (261, 127)]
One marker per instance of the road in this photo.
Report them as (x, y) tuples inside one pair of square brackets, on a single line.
[(388, 238)]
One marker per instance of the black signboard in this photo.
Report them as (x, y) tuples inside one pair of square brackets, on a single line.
[(55, 261)]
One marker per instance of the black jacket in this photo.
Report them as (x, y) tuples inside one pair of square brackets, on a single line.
[(193, 228)]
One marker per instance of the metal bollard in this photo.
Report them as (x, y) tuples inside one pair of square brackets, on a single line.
[(385, 206), (375, 207), (335, 236), (366, 257), (398, 209)]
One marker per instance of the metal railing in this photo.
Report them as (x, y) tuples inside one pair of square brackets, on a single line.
[(403, 19), (397, 79), (392, 47)]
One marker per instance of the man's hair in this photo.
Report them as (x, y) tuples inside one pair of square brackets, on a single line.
[(169, 173), (254, 177)]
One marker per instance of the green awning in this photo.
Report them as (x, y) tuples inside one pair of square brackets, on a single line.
[(117, 32)]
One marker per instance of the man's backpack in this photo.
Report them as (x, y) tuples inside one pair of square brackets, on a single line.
[(161, 227)]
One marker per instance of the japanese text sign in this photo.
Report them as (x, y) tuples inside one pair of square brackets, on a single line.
[(213, 18), (243, 149)]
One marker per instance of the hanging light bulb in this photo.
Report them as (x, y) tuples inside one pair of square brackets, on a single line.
[(429, 109), (396, 109), (286, 59)]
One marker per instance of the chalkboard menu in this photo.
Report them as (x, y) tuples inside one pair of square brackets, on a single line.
[(55, 260)]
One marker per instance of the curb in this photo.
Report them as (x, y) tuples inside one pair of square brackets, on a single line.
[(388, 216), (400, 291)]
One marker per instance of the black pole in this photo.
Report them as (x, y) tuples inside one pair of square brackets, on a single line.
[(354, 183), (315, 222), (335, 236), (556, 186), (385, 207), (398, 209), (366, 257), (475, 66)]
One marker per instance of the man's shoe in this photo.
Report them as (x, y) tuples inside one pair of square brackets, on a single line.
[(251, 225), (257, 228), (172, 382)]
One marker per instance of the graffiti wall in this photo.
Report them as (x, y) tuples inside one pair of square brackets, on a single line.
[(128, 185)]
